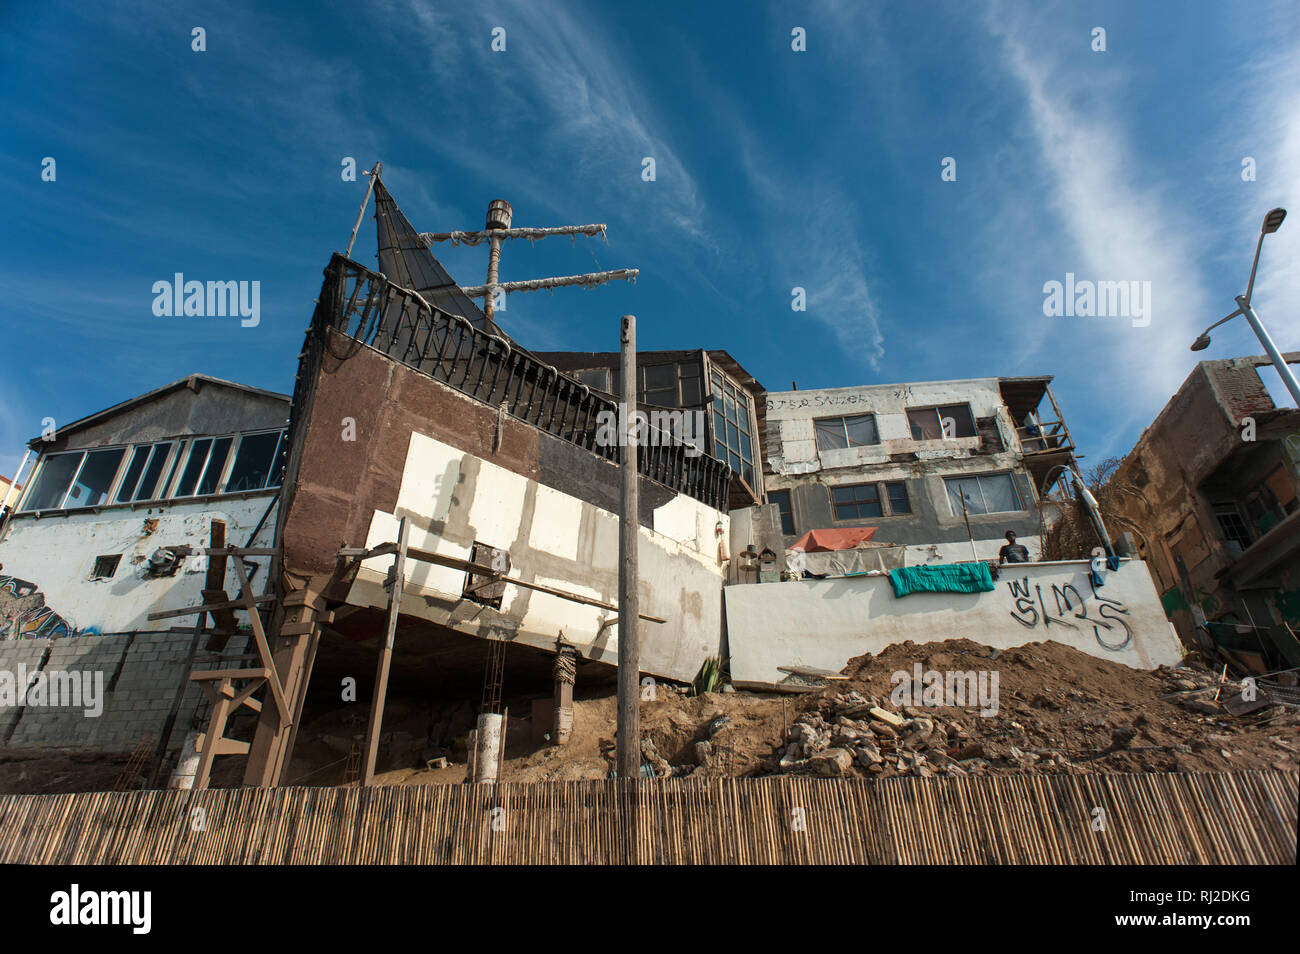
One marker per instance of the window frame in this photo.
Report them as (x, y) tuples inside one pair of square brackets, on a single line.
[(783, 513), (843, 420), (1009, 474), (937, 408), (175, 463), (883, 500)]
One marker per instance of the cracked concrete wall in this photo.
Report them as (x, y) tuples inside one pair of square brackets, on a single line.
[(931, 531)]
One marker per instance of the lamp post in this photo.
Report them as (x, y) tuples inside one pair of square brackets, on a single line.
[(1271, 223)]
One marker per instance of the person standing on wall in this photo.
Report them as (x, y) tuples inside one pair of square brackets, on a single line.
[(1013, 552)]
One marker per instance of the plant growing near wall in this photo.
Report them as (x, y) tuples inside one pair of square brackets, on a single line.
[(709, 678)]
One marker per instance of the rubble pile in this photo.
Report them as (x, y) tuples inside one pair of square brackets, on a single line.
[(1058, 711)]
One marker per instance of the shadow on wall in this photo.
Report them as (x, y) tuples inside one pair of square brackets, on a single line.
[(24, 615)]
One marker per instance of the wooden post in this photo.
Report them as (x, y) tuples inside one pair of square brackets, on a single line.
[(373, 174), (494, 263), (385, 656), (629, 675)]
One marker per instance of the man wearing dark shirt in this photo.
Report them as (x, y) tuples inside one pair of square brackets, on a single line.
[(1013, 552)]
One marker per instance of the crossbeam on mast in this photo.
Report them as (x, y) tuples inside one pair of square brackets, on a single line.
[(538, 284)]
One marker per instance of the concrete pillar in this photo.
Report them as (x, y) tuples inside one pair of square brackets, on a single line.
[(487, 746), (187, 766), (566, 670)]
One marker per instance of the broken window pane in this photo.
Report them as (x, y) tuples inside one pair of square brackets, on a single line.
[(92, 485), (52, 483), (253, 462)]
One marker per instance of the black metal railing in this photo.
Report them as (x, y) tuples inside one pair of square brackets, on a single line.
[(367, 307)]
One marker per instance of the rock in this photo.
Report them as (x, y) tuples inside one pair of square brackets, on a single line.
[(832, 762), (1121, 736), (703, 752), (883, 730), (728, 687), (918, 729), (1202, 706), (869, 755), (971, 750), (886, 717)]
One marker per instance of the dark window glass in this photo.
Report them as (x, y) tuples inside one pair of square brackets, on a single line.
[(53, 481), (837, 433), (139, 457), (253, 462), (216, 464), (661, 377), (898, 502), (194, 467), (855, 501), (148, 488), (690, 391), (92, 485), (782, 500), (955, 421)]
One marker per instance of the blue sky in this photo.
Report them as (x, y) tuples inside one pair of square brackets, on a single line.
[(774, 169)]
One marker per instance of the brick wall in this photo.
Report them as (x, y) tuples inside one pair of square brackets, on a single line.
[(140, 673)]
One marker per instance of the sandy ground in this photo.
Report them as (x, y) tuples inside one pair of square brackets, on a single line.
[(1059, 711)]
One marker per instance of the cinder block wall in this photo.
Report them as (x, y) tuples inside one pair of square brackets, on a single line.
[(140, 674)]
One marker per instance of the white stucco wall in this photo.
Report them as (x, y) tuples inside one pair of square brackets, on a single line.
[(791, 446), (57, 554), (554, 540), (823, 624)]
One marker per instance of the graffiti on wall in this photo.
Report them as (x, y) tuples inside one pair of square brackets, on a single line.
[(1072, 611), (24, 615)]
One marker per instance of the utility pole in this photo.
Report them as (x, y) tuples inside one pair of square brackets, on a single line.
[(629, 657)]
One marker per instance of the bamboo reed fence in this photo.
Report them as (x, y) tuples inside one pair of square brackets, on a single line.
[(1212, 818)]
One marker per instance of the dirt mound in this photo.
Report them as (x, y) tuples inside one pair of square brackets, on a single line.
[(1056, 710)]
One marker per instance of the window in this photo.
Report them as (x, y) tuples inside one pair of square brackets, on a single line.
[(51, 484), (1233, 527), (141, 480), (986, 493), (256, 462), (105, 567), (782, 500), (76, 479), (732, 427), (855, 501), (481, 587), (597, 378), (898, 501), (836, 433), (671, 385), (945, 422)]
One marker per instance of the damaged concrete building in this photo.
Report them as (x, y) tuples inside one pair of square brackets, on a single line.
[(1210, 492), (447, 520), (105, 535), (931, 466)]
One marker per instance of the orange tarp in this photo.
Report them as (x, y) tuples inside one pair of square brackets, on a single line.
[(815, 541)]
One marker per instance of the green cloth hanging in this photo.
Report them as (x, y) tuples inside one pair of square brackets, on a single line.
[(947, 578)]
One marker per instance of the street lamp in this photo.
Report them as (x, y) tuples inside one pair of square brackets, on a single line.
[(1271, 223)]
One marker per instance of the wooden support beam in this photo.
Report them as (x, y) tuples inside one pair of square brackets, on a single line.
[(629, 526), (208, 607), (264, 650), (385, 656), (207, 675)]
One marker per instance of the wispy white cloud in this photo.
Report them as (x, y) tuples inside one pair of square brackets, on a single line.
[(1096, 215)]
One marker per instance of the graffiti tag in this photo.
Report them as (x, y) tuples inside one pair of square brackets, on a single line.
[(24, 615), (1071, 611)]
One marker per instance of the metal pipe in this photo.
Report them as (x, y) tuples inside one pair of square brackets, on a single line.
[(1279, 362)]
